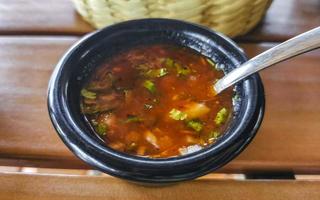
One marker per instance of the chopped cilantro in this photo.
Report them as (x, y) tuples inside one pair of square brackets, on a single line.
[(85, 109), (153, 73), (101, 129), (168, 62), (213, 135), (133, 118), (162, 72), (177, 114), (88, 94), (221, 116), (211, 63), (195, 125), (150, 86), (182, 70)]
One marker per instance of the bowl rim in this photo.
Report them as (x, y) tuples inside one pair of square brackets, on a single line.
[(66, 125)]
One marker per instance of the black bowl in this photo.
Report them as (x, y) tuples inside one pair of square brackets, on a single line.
[(72, 70)]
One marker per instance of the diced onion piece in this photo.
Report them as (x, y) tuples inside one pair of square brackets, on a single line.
[(189, 149), (191, 140), (148, 106), (117, 146), (195, 110), (151, 138), (132, 146)]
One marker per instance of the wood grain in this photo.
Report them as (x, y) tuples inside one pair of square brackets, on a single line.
[(284, 19), (289, 134), (287, 141), (46, 187)]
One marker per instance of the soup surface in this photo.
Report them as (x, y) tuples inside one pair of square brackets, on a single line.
[(156, 101)]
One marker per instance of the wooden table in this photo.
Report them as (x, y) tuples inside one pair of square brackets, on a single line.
[(33, 36)]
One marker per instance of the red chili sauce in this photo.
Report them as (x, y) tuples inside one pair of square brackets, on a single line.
[(156, 101)]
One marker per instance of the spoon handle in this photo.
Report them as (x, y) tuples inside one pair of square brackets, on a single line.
[(300, 44)]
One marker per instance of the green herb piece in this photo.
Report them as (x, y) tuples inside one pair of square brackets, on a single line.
[(150, 86), (236, 97), (154, 73), (133, 118), (89, 110), (211, 63), (177, 114), (148, 106), (101, 129), (195, 125), (105, 83), (168, 62), (162, 72), (221, 116), (182, 70), (87, 94), (213, 135)]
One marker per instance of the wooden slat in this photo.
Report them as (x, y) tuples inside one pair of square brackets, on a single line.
[(284, 19), (40, 17), (25, 68), (288, 139), (46, 187), (289, 136)]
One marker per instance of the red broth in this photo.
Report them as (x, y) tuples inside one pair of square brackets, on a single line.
[(156, 101)]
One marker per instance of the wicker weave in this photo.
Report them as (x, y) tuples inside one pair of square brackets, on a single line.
[(231, 17)]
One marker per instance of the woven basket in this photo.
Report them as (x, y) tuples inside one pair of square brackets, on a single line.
[(231, 17)]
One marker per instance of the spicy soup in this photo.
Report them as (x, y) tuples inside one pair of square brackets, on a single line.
[(156, 101)]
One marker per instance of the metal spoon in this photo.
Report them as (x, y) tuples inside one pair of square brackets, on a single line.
[(300, 44)]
